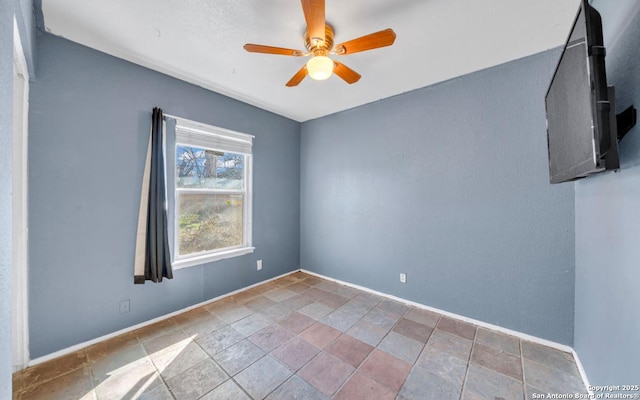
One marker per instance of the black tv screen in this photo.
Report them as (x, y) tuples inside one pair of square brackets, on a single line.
[(579, 131)]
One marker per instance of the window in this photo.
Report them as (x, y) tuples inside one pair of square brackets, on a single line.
[(212, 194)]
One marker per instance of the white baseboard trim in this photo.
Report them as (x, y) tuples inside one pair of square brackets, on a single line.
[(483, 324), (88, 343), (583, 373), (521, 335)]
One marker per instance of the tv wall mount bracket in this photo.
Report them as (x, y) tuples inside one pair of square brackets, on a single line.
[(626, 120)]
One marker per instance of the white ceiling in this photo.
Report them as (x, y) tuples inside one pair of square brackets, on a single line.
[(200, 41)]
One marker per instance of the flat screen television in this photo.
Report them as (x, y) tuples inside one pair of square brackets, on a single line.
[(581, 131)]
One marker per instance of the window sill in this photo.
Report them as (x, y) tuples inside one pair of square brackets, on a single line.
[(207, 258)]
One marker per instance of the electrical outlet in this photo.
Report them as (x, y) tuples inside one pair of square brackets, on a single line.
[(124, 306), (403, 277), (259, 264)]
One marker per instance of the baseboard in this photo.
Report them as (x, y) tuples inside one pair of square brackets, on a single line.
[(518, 334), (583, 373), (88, 343), (483, 324), (521, 335)]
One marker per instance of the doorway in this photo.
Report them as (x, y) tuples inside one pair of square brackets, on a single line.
[(20, 228)]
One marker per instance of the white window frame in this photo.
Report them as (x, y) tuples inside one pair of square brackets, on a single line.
[(191, 133)]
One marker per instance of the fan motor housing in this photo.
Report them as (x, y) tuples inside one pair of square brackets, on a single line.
[(319, 48)]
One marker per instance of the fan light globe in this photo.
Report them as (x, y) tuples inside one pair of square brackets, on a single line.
[(320, 68)]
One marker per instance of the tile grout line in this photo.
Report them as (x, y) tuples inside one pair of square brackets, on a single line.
[(466, 372), (524, 381), (370, 353), (92, 376), (508, 354), (424, 348), (231, 377), (293, 373), (413, 364), (374, 303), (336, 338), (345, 333), (164, 382), (210, 357)]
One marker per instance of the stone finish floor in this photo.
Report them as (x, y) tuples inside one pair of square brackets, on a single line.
[(302, 337)]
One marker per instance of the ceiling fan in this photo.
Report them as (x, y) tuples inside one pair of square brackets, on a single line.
[(318, 40)]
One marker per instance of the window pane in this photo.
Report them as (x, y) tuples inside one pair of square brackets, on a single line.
[(200, 168), (208, 222)]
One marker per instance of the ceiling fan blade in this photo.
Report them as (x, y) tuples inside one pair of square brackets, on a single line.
[(298, 77), (314, 14), (258, 48), (350, 76), (368, 42)]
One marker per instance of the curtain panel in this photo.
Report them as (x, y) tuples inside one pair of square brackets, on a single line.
[(152, 256)]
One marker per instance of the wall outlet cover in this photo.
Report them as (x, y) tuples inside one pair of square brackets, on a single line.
[(125, 306)]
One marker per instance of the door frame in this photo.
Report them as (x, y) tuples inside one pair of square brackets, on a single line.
[(20, 229)]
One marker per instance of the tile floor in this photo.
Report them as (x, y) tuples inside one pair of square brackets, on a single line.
[(301, 337)]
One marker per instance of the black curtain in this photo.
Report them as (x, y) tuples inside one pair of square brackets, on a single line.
[(157, 264)]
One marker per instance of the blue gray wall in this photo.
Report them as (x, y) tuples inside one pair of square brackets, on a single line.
[(6, 157), (607, 316), (89, 124), (450, 185)]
